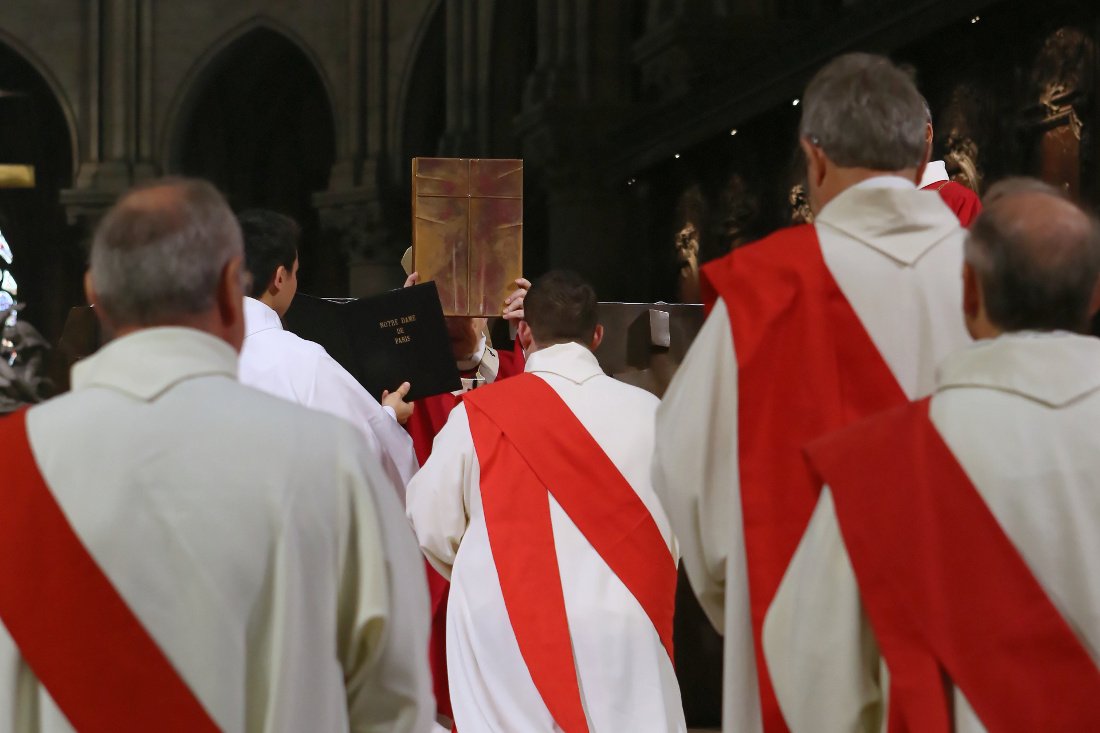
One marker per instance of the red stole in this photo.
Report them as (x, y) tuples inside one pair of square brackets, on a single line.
[(965, 203), (431, 413), (524, 455), (424, 424), (805, 367), (74, 630), (945, 589)]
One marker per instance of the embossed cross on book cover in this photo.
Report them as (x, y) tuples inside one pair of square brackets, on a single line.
[(468, 230)]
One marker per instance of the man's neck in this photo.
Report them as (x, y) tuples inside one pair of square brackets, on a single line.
[(847, 178), (269, 302), (536, 346), (205, 322)]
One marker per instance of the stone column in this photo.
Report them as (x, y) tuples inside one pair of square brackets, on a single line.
[(351, 209), (463, 94), (571, 103), (119, 129)]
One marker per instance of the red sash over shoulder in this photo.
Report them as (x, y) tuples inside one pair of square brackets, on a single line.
[(74, 630), (946, 591), (424, 424), (965, 203), (526, 456), (805, 367)]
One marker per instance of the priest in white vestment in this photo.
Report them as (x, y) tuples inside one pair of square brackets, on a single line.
[(288, 366), (1018, 410), (624, 672), (895, 254), (258, 543)]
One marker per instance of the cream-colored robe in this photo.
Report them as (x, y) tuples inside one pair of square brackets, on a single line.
[(896, 254), (627, 681), (1020, 414), (257, 542), (285, 365)]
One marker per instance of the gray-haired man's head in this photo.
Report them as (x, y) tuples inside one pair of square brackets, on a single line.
[(862, 113), (167, 253), (1032, 262)]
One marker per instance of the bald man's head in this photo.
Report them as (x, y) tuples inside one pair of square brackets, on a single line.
[(1036, 256), (158, 254)]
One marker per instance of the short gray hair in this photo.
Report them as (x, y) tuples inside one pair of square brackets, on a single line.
[(865, 112), (1038, 269), (158, 254)]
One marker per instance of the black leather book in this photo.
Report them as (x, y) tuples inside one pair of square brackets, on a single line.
[(384, 340)]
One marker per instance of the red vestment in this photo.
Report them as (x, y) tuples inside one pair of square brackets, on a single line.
[(960, 199), (523, 456), (805, 367), (946, 591), (429, 416), (87, 648)]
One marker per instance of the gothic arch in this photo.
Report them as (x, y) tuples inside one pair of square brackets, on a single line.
[(207, 66), (37, 127), (59, 97), (258, 122)]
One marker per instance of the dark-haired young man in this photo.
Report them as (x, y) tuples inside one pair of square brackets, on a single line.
[(283, 364), (958, 537), (560, 613)]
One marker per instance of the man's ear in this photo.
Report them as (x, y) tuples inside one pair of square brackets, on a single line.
[(523, 333), (597, 337), (815, 162), (89, 288), (278, 280), (107, 327), (972, 293), (229, 302), (927, 156)]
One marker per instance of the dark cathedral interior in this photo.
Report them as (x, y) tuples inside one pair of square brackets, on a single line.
[(645, 126), (634, 119)]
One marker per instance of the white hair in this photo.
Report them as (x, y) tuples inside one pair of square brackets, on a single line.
[(159, 252)]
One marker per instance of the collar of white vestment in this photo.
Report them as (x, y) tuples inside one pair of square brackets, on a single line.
[(1053, 368), (148, 362), (889, 214), (259, 317), (484, 363), (934, 172), (570, 360)]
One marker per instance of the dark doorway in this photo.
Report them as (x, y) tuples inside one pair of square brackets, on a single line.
[(261, 128), (48, 265)]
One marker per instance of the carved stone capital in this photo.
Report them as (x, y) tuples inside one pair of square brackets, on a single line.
[(98, 186), (354, 219)]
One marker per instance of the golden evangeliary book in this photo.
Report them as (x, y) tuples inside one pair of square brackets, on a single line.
[(468, 230)]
